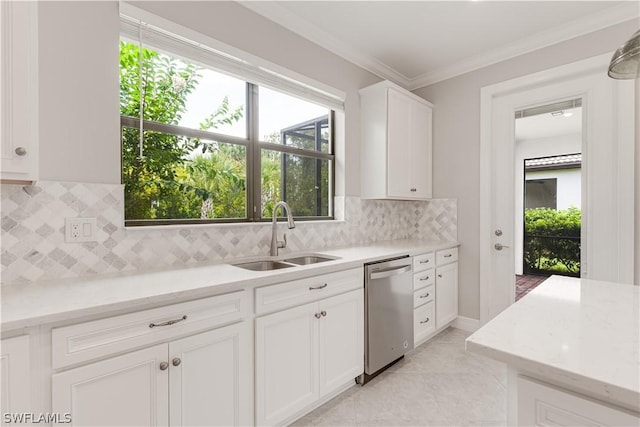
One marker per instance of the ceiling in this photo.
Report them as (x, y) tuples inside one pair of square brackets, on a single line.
[(416, 43), (547, 125)]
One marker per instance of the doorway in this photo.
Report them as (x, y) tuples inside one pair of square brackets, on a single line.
[(607, 242), (548, 193)]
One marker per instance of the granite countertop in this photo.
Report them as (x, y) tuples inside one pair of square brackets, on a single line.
[(581, 334), (62, 300)]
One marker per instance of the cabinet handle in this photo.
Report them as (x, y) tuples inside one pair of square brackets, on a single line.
[(426, 261), (164, 366), (176, 361), (170, 322), (21, 151), (448, 255), (413, 190), (422, 279), (323, 313), (314, 288), (425, 295), (425, 321), (440, 276), (318, 315)]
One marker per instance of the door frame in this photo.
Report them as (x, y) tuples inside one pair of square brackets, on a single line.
[(622, 128)]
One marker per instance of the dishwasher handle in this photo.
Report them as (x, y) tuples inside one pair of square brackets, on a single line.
[(388, 272)]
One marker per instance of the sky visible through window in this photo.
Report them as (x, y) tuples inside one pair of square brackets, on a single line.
[(277, 110)]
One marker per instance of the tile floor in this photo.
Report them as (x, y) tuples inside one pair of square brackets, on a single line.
[(526, 283), (437, 384)]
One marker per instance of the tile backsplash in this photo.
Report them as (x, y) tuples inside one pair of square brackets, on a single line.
[(33, 245)]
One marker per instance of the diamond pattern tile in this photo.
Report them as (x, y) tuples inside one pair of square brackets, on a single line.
[(33, 248)]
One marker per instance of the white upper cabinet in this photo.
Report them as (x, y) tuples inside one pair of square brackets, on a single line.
[(19, 90), (396, 128)]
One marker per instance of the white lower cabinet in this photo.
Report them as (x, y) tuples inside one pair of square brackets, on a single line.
[(15, 377), (124, 390), (305, 353), (203, 379), (544, 405), (446, 294)]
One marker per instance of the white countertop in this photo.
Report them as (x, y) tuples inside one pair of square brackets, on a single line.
[(62, 300), (581, 334)]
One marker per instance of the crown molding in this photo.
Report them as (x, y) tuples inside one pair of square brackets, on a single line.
[(590, 23), (285, 18), (576, 28)]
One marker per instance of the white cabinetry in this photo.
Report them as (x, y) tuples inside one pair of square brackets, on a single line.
[(19, 90), (544, 405), (446, 286), (15, 376), (202, 379), (396, 135), (308, 352)]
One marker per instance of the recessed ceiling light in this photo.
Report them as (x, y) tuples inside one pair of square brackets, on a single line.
[(568, 114), (557, 113)]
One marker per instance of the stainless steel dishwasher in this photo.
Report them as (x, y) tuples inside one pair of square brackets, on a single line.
[(388, 288)]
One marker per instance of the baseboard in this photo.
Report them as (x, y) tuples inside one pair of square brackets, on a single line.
[(466, 324)]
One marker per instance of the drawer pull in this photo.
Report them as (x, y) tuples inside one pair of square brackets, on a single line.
[(168, 323), (425, 295), (413, 190), (314, 288), (164, 366), (448, 255), (424, 278), (323, 313), (425, 321), (424, 261), (176, 361), (318, 315)]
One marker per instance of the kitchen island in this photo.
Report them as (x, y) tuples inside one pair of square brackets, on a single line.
[(572, 347)]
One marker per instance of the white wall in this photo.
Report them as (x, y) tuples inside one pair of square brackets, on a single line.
[(529, 149), (79, 113), (456, 141)]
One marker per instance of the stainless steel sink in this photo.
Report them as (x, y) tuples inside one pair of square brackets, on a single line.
[(264, 265), (308, 259)]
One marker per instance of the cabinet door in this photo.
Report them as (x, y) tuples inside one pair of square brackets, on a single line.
[(210, 377), (341, 342), (15, 376), (446, 294), (18, 90), (399, 131), (286, 363), (420, 151), (128, 390)]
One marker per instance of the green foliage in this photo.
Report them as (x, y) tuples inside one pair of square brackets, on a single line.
[(162, 179), (552, 240)]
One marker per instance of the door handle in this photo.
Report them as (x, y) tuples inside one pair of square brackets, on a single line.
[(499, 246), (390, 272)]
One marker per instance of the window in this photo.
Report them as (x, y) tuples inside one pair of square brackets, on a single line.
[(201, 146)]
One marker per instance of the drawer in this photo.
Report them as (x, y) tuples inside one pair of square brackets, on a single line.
[(424, 321), (296, 292), (422, 279), (90, 340), (422, 262), (423, 296), (446, 256)]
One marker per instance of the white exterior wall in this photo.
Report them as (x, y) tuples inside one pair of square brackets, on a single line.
[(569, 185)]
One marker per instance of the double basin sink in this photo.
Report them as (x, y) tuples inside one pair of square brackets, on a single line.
[(271, 264)]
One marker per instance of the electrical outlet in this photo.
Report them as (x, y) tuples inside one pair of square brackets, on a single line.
[(79, 230)]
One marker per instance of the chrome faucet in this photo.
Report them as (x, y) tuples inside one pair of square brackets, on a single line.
[(275, 243)]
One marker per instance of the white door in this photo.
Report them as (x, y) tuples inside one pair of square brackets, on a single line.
[(210, 378), (420, 154), (15, 377), (399, 134), (286, 363), (446, 294), (128, 390), (608, 170), (341, 340)]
